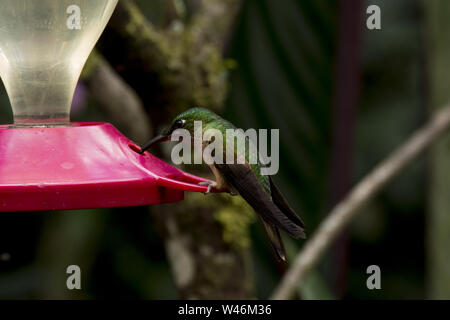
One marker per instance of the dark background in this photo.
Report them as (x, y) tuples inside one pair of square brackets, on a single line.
[(343, 98)]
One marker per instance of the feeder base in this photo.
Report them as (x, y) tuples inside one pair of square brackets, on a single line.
[(84, 165)]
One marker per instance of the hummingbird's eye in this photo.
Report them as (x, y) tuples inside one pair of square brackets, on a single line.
[(179, 123)]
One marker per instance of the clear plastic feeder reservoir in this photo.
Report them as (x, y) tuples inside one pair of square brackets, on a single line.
[(46, 162), (43, 47)]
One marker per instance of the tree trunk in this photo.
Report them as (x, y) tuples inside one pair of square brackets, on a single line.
[(206, 238)]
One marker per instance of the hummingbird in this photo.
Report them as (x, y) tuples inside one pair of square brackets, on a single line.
[(243, 178)]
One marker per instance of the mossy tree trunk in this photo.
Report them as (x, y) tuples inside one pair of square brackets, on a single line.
[(207, 241), (206, 237)]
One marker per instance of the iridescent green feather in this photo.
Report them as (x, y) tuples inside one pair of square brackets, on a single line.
[(211, 120)]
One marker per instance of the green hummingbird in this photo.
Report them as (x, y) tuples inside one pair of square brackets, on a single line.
[(244, 179)]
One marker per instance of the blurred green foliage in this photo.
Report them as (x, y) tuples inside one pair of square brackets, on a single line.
[(286, 54)]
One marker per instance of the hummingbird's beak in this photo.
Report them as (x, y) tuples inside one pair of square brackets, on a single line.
[(157, 140)]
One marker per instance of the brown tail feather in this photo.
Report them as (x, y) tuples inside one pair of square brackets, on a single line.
[(275, 240)]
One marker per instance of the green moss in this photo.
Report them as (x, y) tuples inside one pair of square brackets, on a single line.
[(236, 219), (233, 214), (135, 19), (91, 65)]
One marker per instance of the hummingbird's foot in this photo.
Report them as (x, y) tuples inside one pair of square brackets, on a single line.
[(211, 186)]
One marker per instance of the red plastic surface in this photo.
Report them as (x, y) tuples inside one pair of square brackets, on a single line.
[(86, 165)]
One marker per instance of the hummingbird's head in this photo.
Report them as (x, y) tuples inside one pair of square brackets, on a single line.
[(185, 120)]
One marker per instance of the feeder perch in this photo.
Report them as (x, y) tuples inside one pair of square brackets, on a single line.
[(47, 162)]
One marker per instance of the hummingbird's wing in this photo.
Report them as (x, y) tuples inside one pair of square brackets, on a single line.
[(275, 240), (242, 178), (281, 203)]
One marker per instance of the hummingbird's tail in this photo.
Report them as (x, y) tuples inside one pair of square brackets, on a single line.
[(275, 240)]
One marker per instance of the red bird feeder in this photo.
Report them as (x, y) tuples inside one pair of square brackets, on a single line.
[(46, 162)]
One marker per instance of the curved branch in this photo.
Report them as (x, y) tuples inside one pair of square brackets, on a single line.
[(116, 98), (348, 209)]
